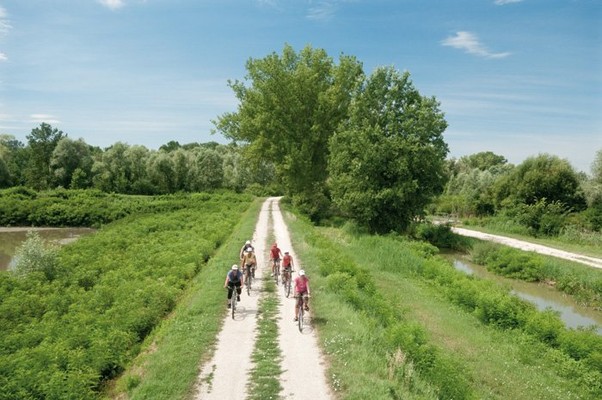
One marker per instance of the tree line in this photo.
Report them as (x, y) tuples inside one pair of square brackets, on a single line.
[(337, 141), (544, 194), (51, 159)]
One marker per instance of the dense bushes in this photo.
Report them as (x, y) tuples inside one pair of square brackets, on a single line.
[(439, 235), (62, 338), (91, 208)]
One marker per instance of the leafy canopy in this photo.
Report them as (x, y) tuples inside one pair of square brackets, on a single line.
[(292, 106), (388, 160)]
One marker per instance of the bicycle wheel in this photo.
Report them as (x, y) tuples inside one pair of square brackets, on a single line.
[(248, 281), (287, 286), (300, 321), (234, 294)]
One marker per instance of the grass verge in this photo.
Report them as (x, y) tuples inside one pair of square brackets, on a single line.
[(265, 375), (390, 330)]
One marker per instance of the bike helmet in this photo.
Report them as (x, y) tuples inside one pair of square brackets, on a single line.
[(234, 266), (248, 242), (302, 272)]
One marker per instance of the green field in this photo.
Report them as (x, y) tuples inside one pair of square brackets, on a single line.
[(132, 311)]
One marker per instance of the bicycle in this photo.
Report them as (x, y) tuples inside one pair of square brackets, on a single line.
[(248, 278), (301, 310), (233, 301), (276, 270), (287, 281)]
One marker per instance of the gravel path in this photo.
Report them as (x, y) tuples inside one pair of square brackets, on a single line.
[(519, 244), (226, 375)]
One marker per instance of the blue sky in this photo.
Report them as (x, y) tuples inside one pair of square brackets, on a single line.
[(516, 77)]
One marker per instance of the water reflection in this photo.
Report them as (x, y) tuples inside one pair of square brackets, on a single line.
[(12, 238), (542, 296)]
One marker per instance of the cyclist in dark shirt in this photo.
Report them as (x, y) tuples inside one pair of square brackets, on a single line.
[(233, 280)]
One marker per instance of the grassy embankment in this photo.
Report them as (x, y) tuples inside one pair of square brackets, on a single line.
[(397, 321)]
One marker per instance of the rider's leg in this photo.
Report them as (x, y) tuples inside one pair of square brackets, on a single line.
[(297, 300), (230, 290), (306, 302), (238, 291)]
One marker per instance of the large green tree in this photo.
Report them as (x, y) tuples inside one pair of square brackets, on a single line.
[(71, 164), (388, 159), (15, 157), (544, 177), (41, 143), (288, 112), (597, 168)]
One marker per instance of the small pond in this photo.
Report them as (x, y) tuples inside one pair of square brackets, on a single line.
[(12, 238)]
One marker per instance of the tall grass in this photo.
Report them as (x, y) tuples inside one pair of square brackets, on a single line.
[(398, 321), (374, 351)]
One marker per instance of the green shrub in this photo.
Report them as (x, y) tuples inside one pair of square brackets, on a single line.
[(580, 343), (440, 236), (34, 255), (545, 326)]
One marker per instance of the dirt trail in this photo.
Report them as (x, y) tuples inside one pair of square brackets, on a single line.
[(303, 366), (526, 246), (226, 375)]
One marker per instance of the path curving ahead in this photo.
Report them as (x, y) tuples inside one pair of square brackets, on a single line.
[(527, 246)]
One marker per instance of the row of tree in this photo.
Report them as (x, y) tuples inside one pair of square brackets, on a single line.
[(334, 139), (543, 193), (51, 159)]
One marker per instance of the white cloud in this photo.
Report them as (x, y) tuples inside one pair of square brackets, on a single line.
[(470, 43), (323, 11), (4, 28), (113, 4), (502, 2), (4, 24), (47, 118)]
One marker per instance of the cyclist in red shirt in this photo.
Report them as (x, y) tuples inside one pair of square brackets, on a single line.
[(287, 267), (301, 291), (275, 255)]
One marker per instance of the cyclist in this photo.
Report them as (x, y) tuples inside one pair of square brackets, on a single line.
[(301, 292), (233, 279), (287, 267), (249, 262), (275, 255), (244, 248)]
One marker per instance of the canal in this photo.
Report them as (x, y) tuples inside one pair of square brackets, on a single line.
[(542, 296)]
